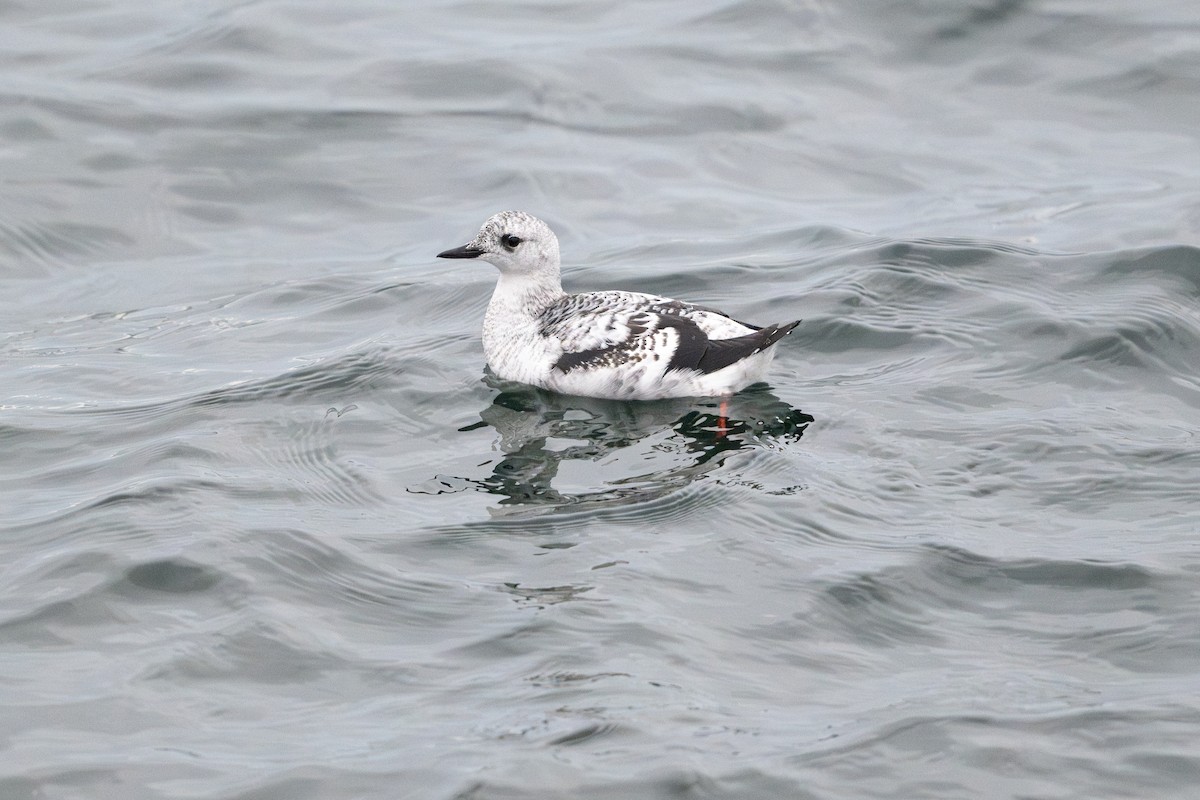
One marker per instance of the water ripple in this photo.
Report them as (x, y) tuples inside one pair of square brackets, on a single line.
[(543, 437), (269, 529)]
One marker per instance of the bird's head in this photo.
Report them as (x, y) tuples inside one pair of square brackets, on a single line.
[(515, 243)]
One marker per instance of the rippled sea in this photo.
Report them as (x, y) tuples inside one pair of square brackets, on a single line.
[(269, 531)]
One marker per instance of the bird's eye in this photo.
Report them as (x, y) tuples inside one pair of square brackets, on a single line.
[(510, 241)]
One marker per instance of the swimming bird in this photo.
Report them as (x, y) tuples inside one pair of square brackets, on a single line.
[(613, 344)]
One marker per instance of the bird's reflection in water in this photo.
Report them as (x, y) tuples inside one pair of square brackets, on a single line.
[(679, 440)]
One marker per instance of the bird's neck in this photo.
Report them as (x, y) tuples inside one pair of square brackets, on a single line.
[(521, 294), (512, 339)]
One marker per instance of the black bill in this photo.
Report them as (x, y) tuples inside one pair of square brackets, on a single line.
[(466, 251)]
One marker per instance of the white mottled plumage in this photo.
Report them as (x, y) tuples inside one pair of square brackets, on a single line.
[(619, 345)]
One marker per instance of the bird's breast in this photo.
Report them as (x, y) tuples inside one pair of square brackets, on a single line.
[(514, 347)]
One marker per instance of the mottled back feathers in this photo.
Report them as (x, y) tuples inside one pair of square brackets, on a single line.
[(603, 329)]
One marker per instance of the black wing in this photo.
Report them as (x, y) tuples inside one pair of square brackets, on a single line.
[(646, 334), (697, 351)]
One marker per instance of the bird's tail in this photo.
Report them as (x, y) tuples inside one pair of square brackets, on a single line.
[(773, 333), (721, 353)]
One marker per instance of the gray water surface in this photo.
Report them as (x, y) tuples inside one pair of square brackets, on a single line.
[(269, 530)]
